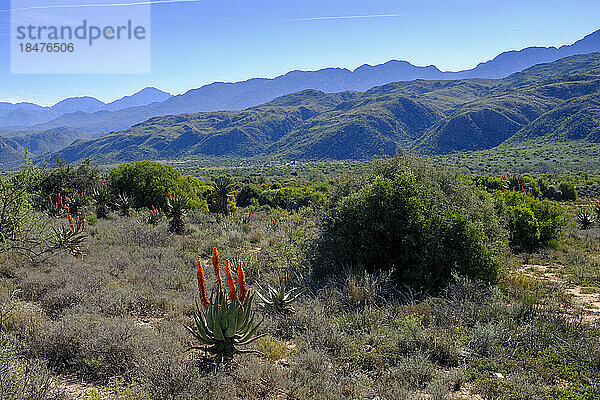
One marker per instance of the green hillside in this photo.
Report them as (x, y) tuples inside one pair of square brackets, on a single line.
[(489, 121), (576, 119), (15, 145), (555, 101)]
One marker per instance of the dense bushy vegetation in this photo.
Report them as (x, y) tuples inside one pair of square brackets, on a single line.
[(426, 293), (532, 222), (276, 196), (147, 183), (424, 225), (19, 194)]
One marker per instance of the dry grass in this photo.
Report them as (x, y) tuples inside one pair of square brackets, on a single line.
[(113, 320)]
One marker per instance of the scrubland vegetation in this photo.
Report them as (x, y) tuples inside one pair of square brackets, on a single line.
[(388, 280)]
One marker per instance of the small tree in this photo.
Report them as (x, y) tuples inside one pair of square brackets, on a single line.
[(19, 230), (568, 190)]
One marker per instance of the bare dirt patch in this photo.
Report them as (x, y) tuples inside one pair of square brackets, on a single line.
[(586, 302)]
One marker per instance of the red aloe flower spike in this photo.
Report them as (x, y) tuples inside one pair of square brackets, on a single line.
[(230, 283), (217, 268), (241, 278), (201, 283)]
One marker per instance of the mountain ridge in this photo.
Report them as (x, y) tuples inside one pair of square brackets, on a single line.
[(222, 96), (429, 117), (25, 115)]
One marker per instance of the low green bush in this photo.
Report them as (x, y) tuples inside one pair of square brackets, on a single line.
[(67, 179), (276, 196), (531, 222), (21, 230), (524, 227), (568, 190), (247, 194), (290, 198), (421, 223), (147, 184)]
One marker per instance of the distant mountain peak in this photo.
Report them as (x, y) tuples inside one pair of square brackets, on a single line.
[(74, 104), (77, 99), (147, 95), (151, 89), (510, 62)]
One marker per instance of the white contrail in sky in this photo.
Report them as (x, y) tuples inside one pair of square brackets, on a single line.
[(139, 3), (343, 17), (151, 2)]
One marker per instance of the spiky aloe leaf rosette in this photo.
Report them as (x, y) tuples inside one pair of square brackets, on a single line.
[(224, 323)]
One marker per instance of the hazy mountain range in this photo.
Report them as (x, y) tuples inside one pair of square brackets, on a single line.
[(557, 101), (331, 113), (23, 115), (92, 115)]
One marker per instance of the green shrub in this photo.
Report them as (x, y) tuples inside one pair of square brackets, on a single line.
[(91, 220), (148, 183), (524, 227), (526, 215), (246, 194), (423, 224), (291, 198), (20, 229), (532, 186), (276, 196), (489, 183), (568, 190), (67, 179)]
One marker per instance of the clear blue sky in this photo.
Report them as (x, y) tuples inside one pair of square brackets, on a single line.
[(195, 43)]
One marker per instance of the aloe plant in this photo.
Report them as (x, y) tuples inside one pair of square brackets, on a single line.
[(154, 216), (123, 204), (223, 190), (224, 323), (74, 203), (280, 300), (585, 219), (102, 197), (69, 239), (514, 182), (224, 326), (176, 209), (56, 208)]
